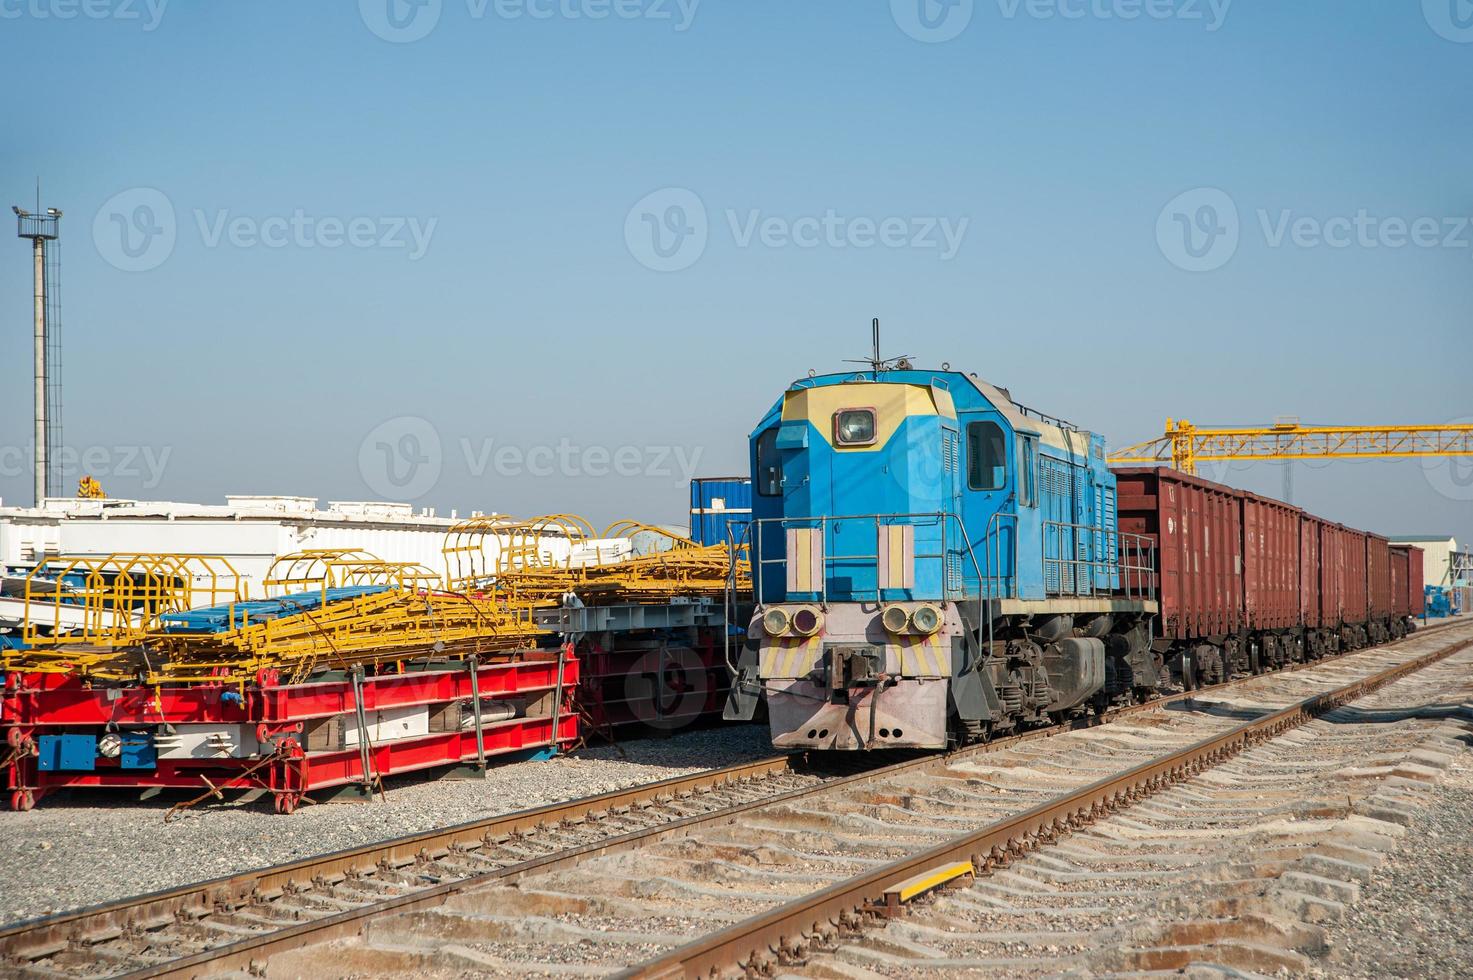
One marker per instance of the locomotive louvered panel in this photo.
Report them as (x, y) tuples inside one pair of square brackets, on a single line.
[(953, 573)]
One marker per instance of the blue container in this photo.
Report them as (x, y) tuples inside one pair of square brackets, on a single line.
[(720, 509)]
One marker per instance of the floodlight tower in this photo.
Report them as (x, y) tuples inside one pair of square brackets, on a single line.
[(40, 229)]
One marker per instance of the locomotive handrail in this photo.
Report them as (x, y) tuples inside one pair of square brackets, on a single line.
[(1005, 583), (1125, 556), (1132, 557), (941, 519)]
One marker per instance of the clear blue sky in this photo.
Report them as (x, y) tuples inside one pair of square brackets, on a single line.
[(527, 313)]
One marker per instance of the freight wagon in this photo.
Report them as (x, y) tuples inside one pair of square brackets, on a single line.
[(1248, 583), (1408, 595)]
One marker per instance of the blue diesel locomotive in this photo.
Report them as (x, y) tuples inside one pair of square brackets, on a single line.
[(934, 563)]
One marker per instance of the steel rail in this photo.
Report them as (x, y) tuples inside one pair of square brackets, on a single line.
[(26, 939), (777, 937), (37, 938)]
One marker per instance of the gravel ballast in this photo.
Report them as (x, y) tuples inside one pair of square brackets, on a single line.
[(1413, 919), (79, 848)]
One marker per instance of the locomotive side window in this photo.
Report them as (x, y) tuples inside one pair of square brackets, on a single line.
[(1027, 471), (987, 456), (769, 465)]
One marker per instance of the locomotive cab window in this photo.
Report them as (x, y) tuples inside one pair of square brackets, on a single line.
[(854, 426), (1027, 471), (987, 456), (769, 465)]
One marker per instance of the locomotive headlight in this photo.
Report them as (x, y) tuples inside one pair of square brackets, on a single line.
[(775, 622), (807, 621), (854, 426), (926, 619), (895, 619)]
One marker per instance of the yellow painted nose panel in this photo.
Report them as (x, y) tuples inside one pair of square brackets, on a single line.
[(892, 404)]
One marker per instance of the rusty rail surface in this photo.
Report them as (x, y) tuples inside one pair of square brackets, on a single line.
[(197, 900), (779, 937), (29, 940)]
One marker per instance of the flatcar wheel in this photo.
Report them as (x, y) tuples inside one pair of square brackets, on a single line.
[(22, 800)]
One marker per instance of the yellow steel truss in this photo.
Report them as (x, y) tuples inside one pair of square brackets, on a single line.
[(107, 619), (113, 600), (114, 618), (1184, 445), (544, 559)]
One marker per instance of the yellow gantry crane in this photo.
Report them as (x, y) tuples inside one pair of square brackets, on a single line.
[(1185, 445)]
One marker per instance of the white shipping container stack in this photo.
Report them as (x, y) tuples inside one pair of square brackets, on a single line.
[(249, 531)]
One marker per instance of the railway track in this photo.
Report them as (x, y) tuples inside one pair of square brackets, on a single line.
[(630, 876), (1242, 867)]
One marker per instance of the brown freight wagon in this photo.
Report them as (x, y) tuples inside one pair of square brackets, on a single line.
[(1400, 606), (1270, 563), (1310, 613), (1379, 602), (1247, 582), (1344, 581), (1417, 582), (1196, 528), (1407, 598)]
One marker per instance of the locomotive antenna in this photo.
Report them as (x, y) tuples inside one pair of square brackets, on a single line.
[(878, 363)]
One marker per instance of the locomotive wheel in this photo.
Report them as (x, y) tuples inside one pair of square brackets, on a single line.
[(1189, 671)]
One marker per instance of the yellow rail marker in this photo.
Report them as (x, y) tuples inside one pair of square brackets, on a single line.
[(926, 881)]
